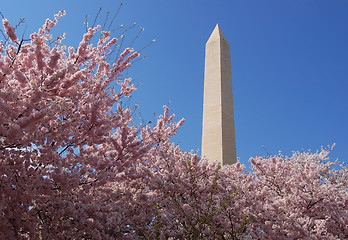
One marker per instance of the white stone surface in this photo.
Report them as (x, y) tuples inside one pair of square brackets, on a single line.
[(218, 135)]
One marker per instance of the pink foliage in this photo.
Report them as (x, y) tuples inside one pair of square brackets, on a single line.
[(74, 165), (301, 197), (9, 30)]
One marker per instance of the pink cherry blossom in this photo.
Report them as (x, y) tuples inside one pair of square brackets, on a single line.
[(9, 30)]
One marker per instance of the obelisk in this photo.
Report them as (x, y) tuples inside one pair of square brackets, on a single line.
[(218, 135)]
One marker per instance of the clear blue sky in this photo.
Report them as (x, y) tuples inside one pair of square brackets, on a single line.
[(289, 64)]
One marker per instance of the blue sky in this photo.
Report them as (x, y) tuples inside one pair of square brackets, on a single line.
[(289, 64)]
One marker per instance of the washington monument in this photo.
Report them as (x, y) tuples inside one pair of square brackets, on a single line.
[(218, 135)]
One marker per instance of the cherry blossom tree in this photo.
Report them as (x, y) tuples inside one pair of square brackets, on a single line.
[(67, 146), (301, 197), (76, 165)]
